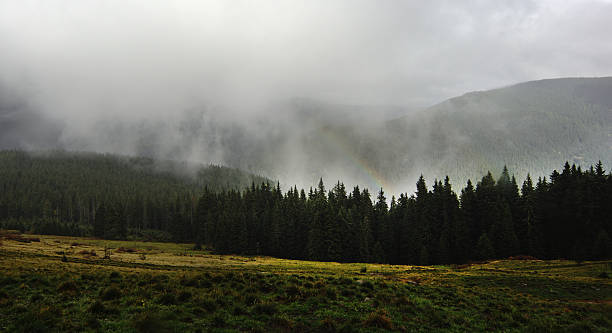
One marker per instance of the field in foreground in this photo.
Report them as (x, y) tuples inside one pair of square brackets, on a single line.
[(53, 283)]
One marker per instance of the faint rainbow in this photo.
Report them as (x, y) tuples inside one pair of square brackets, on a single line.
[(361, 163)]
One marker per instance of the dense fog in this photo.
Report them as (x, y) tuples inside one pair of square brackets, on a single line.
[(298, 90)]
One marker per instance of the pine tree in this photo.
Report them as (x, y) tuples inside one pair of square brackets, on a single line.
[(99, 221), (484, 249), (602, 249), (502, 233), (424, 256)]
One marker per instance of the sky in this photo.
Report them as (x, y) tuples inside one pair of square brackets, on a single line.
[(82, 63), (155, 56)]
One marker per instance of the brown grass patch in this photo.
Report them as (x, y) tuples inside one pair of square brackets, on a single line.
[(379, 319), (86, 253), (16, 236), (522, 257), (126, 250)]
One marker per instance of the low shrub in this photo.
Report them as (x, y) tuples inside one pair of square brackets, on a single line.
[(218, 320), (184, 296), (250, 299), (328, 325), (110, 293), (96, 308), (282, 323), (149, 321), (208, 304), (293, 291), (367, 285), (265, 308), (166, 299), (330, 293), (68, 287), (238, 310), (378, 319)]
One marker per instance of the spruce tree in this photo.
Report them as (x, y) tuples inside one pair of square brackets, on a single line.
[(99, 221), (484, 248)]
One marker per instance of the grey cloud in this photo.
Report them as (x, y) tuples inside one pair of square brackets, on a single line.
[(88, 64)]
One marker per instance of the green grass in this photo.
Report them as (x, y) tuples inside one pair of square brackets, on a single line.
[(171, 291)]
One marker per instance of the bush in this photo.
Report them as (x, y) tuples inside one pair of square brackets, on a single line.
[(379, 319), (111, 293), (149, 322), (218, 320), (184, 296), (166, 299), (208, 304), (293, 291), (282, 323), (328, 325), (238, 310), (330, 293), (367, 285), (250, 299), (97, 308), (92, 322), (68, 287), (265, 308)]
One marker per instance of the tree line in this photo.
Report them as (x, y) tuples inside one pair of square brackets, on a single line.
[(566, 215)]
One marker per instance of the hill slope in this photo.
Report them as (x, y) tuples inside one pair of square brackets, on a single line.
[(68, 187), (534, 126)]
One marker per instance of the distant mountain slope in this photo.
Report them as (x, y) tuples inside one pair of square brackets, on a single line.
[(534, 126)]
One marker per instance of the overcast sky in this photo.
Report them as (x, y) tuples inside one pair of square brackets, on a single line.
[(135, 58)]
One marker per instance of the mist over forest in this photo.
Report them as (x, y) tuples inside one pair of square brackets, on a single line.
[(373, 95)]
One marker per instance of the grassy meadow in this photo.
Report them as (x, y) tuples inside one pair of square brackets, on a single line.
[(53, 283)]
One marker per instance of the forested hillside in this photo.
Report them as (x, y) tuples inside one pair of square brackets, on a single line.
[(564, 216), (60, 192), (532, 127)]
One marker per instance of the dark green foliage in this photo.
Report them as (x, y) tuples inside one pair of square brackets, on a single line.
[(484, 248), (265, 308), (167, 299), (107, 196), (602, 249), (110, 293), (97, 307), (566, 216), (148, 321)]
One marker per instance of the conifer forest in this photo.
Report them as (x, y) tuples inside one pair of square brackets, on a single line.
[(566, 215)]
